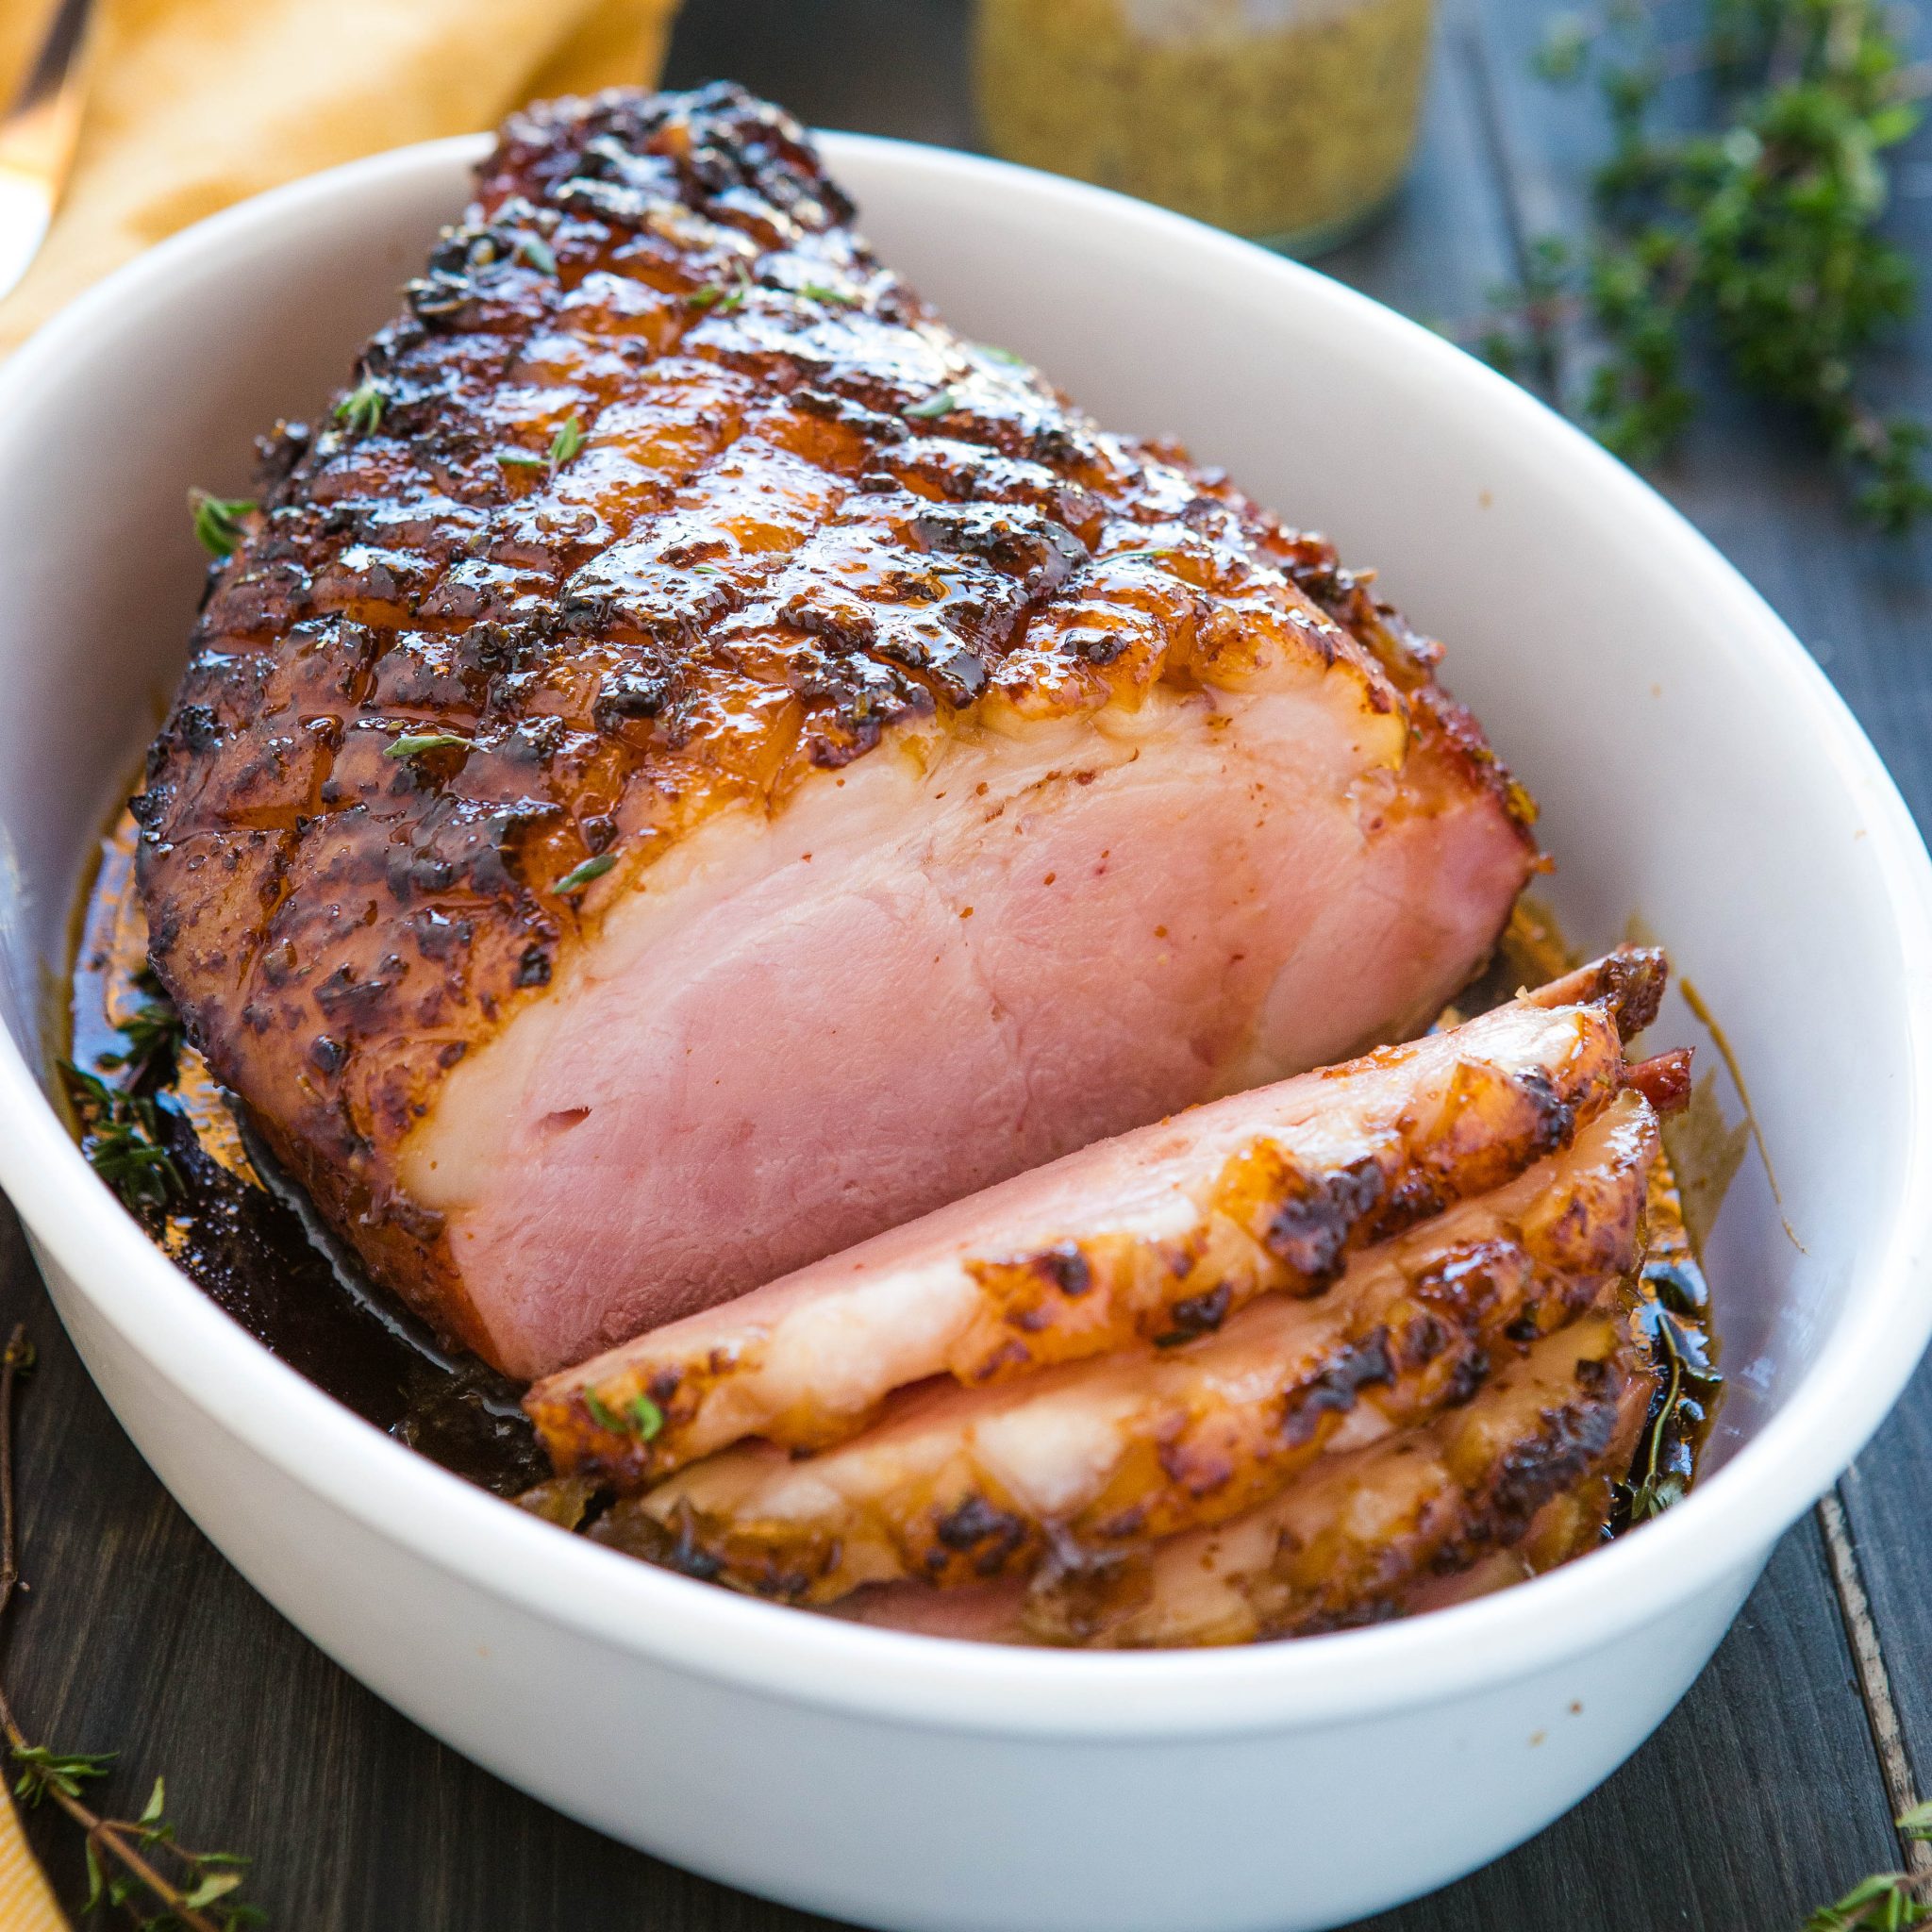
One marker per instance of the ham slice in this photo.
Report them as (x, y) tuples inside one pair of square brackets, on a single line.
[(1515, 1483)]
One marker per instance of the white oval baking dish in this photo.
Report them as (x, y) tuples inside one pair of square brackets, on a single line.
[(1695, 770)]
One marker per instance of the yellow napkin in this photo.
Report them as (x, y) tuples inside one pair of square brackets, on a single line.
[(26, 1905), (193, 104)]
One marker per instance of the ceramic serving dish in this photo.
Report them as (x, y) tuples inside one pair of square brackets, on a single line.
[(1695, 770)]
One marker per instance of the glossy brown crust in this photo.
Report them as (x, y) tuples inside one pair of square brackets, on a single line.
[(661, 496), (1663, 1081)]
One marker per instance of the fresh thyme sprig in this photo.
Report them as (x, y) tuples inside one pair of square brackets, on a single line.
[(218, 520), (642, 1418), (725, 297), (361, 411), (942, 402), (579, 876), (1754, 233), (121, 1137), (1887, 1900), (129, 1860), (568, 440), (120, 1123), (412, 744), (153, 1036)]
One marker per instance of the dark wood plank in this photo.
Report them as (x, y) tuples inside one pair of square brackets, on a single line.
[(1759, 1796), (1884, 1498)]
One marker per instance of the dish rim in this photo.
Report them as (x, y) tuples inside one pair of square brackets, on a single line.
[(1727, 1523)]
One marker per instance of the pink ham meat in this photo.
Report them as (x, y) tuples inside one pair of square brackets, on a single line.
[(1153, 1237), (694, 762)]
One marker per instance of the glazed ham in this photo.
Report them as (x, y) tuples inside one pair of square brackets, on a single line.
[(693, 764), (1514, 1484)]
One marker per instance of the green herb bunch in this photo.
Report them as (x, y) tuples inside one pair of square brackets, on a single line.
[(1754, 233)]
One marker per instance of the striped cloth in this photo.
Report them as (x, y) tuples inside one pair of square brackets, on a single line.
[(26, 1901)]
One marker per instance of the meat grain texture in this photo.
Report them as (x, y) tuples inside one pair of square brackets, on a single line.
[(692, 762)]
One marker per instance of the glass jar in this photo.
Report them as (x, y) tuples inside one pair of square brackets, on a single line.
[(1289, 120)]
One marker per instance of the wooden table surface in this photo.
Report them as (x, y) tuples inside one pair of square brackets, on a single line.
[(1770, 1790)]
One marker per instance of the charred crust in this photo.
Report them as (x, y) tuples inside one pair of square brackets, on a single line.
[(1311, 1230), (1629, 984), (1368, 1364), (1195, 1315), (986, 1537), (1065, 1268)]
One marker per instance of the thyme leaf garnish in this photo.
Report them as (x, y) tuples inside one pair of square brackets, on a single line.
[(579, 876), (993, 353), (1885, 1902), (414, 743), (723, 297), (361, 411), (645, 1419), (133, 1864), (824, 291), (537, 251), (42, 1772), (153, 1033), (121, 1139), (568, 440), (938, 404), (218, 520)]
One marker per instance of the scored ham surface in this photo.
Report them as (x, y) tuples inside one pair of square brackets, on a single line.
[(694, 762)]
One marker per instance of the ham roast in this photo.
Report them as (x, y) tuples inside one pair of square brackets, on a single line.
[(691, 763)]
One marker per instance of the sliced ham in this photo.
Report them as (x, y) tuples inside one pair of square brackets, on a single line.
[(1154, 1237), (1515, 1483), (955, 1484)]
